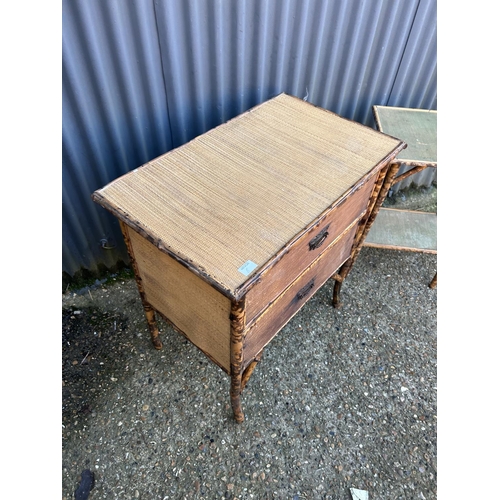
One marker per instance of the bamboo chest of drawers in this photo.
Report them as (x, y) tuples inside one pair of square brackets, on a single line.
[(230, 234)]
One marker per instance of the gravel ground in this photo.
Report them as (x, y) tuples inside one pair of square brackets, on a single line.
[(342, 398)]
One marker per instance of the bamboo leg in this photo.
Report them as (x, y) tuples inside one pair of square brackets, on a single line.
[(386, 183), (237, 326), (249, 370), (336, 294), (153, 327), (148, 309), (379, 193), (434, 282)]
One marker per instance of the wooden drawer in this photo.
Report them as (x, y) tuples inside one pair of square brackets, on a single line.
[(288, 304), (306, 249)]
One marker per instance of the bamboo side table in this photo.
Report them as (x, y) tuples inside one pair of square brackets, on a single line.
[(418, 128), (230, 234)]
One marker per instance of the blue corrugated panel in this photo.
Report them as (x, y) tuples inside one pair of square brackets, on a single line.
[(114, 116), (141, 77), (341, 55), (416, 82)]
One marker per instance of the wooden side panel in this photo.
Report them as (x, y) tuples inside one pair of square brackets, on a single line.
[(193, 306), (306, 249), (289, 303)]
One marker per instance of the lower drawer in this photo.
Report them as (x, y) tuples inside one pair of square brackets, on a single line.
[(279, 312)]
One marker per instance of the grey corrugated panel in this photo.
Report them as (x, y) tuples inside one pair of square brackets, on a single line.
[(114, 116), (341, 55), (416, 82), (141, 77), (367, 61)]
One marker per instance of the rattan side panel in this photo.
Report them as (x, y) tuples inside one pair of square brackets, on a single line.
[(192, 305)]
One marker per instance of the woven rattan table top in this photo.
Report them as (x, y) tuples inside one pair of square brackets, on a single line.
[(417, 127), (243, 190)]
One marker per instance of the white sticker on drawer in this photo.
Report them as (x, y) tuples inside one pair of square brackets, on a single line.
[(247, 267)]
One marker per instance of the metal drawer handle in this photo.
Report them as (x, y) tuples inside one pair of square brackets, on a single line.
[(319, 239), (305, 290)]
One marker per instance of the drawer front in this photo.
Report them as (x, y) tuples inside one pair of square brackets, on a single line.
[(306, 249), (288, 304)]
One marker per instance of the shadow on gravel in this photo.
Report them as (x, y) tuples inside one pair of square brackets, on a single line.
[(91, 348)]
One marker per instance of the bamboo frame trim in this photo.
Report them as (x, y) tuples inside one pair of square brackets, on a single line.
[(237, 319), (148, 308), (415, 163), (379, 194), (362, 229), (401, 108), (411, 172), (408, 211), (386, 183), (403, 249)]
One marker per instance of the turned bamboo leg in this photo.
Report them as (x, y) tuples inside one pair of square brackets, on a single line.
[(153, 327), (336, 294), (249, 370), (237, 326), (379, 193), (434, 282), (148, 309)]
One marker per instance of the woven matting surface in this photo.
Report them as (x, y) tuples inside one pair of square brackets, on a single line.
[(244, 189), (417, 127)]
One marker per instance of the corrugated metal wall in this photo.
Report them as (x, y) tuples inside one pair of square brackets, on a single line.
[(143, 76)]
